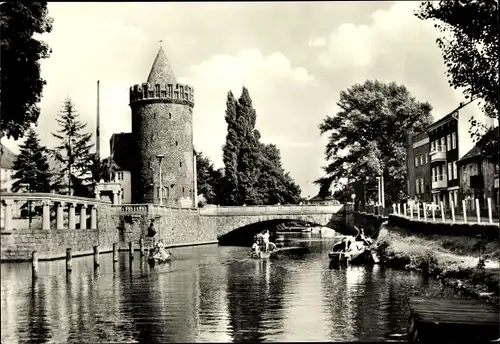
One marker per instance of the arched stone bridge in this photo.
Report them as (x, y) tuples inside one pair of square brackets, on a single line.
[(237, 219)]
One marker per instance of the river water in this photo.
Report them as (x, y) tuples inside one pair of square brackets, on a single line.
[(208, 293)]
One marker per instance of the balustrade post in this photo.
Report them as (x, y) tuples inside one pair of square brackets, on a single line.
[(399, 208), (418, 211), (464, 206), (93, 217), (490, 212), (46, 215), (60, 215), (83, 217), (452, 205), (7, 216), (71, 216), (425, 212), (97, 194), (478, 211), (404, 209), (442, 211), (411, 211)]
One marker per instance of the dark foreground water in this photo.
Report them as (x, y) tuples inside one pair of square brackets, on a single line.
[(208, 293)]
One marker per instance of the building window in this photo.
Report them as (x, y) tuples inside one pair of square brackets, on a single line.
[(123, 194), (433, 174), (416, 161), (497, 168), (421, 160), (455, 197), (120, 175), (157, 90), (443, 145), (450, 172), (426, 157), (448, 142), (453, 140), (169, 115), (180, 163), (455, 170), (417, 186)]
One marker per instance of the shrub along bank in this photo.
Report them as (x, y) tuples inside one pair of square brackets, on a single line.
[(470, 265)]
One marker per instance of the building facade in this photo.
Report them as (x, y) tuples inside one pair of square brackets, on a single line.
[(156, 162), (433, 157), (7, 172), (478, 179), (419, 169)]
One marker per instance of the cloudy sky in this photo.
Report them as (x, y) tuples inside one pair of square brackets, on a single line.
[(294, 58)]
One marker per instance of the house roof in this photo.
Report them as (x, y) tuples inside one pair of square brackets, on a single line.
[(475, 152), (161, 71), (7, 158), (122, 150), (318, 198)]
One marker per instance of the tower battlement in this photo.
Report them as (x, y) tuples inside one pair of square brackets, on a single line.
[(175, 93)]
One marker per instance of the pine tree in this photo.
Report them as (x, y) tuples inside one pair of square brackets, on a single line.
[(74, 150), (31, 166)]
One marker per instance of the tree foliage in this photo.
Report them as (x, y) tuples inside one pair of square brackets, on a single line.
[(21, 53), (73, 152), (31, 166), (253, 170), (469, 45), (368, 136), (208, 178)]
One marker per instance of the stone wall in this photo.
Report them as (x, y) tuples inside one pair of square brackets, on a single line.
[(19, 244)]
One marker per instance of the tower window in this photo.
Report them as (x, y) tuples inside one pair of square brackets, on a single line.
[(154, 115), (180, 163), (183, 189), (157, 90), (169, 115), (176, 143), (151, 137)]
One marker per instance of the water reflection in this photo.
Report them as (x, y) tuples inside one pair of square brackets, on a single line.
[(207, 294)]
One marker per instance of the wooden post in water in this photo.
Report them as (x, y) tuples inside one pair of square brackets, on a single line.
[(442, 211), (490, 212), (464, 206), (131, 250), (399, 209), (34, 266), (69, 265), (141, 246), (96, 256), (452, 205), (425, 212), (115, 252), (478, 211)]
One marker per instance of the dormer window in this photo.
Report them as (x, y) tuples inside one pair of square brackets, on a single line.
[(157, 90)]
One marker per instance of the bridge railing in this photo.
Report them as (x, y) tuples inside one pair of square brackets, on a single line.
[(270, 210), (33, 210)]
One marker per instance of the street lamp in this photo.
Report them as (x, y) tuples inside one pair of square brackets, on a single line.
[(160, 158)]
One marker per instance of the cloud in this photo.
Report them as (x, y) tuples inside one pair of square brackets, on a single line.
[(394, 46), (287, 100)]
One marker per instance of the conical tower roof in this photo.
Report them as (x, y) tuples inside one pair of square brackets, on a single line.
[(161, 72)]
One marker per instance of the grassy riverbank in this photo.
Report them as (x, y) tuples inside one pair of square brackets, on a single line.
[(455, 260)]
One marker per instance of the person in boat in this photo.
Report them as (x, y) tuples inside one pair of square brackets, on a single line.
[(265, 236), (338, 247), (256, 248)]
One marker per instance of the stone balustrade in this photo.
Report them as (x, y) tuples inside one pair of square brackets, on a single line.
[(271, 210), (62, 202)]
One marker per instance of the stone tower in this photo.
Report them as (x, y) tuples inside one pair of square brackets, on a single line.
[(162, 124)]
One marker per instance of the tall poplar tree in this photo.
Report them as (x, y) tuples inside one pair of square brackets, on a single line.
[(31, 166), (73, 152), (253, 171)]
